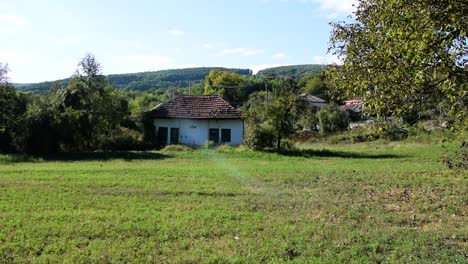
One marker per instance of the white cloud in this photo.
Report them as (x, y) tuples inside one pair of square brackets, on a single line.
[(241, 52), (337, 7), (327, 59), (11, 24), (13, 56), (13, 20), (208, 46), (176, 32), (280, 56)]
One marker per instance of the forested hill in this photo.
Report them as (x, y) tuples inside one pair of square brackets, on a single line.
[(175, 78), (142, 81), (293, 71)]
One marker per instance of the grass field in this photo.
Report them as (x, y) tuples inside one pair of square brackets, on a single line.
[(371, 202)]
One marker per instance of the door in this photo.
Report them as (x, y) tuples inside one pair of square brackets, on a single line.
[(174, 136), (225, 135), (214, 135), (162, 136)]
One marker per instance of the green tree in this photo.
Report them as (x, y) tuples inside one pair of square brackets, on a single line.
[(12, 109), (274, 116), (228, 85), (402, 55), (316, 85), (88, 110), (331, 119)]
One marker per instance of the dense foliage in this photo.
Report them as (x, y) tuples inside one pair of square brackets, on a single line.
[(331, 119), (405, 56), (294, 71), (86, 115), (12, 107), (232, 87), (273, 116)]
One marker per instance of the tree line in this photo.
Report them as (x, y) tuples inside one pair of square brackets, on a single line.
[(88, 113), (143, 81)]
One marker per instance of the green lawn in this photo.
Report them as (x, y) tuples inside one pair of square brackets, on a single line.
[(351, 203)]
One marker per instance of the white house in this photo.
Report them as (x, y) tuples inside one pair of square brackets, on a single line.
[(195, 119)]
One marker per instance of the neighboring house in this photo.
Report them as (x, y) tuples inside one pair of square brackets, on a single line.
[(354, 108), (196, 119), (314, 101)]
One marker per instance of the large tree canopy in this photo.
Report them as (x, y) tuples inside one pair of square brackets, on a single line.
[(401, 56), (12, 108), (88, 109), (226, 84)]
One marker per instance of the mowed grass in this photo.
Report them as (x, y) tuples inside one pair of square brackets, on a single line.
[(357, 203)]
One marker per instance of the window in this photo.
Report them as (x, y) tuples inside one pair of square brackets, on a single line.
[(214, 135), (225, 135), (162, 135), (174, 136)]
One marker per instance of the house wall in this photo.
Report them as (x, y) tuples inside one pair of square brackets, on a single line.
[(196, 132)]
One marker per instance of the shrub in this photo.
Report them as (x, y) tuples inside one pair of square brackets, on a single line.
[(458, 160), (332, 120), (389, 130), (287, 145), (259, 137), (125, 139)]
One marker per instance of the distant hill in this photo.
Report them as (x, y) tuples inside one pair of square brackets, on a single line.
[(165, 79), (141, 81), (293, 71)]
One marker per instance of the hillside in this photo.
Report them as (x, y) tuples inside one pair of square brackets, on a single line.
[(142, 81), (175, 78), (293, 71)]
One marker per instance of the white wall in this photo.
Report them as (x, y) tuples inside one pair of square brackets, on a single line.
[(195, 132)]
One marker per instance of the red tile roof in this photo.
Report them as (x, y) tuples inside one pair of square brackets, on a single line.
[(196, 107)]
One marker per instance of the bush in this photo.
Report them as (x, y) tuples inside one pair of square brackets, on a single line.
[(125, 139), (458, 160), (259, 137), (332, 120), (389, 130), (287, 145)]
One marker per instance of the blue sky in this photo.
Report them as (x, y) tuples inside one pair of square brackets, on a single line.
[(44, 40)]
